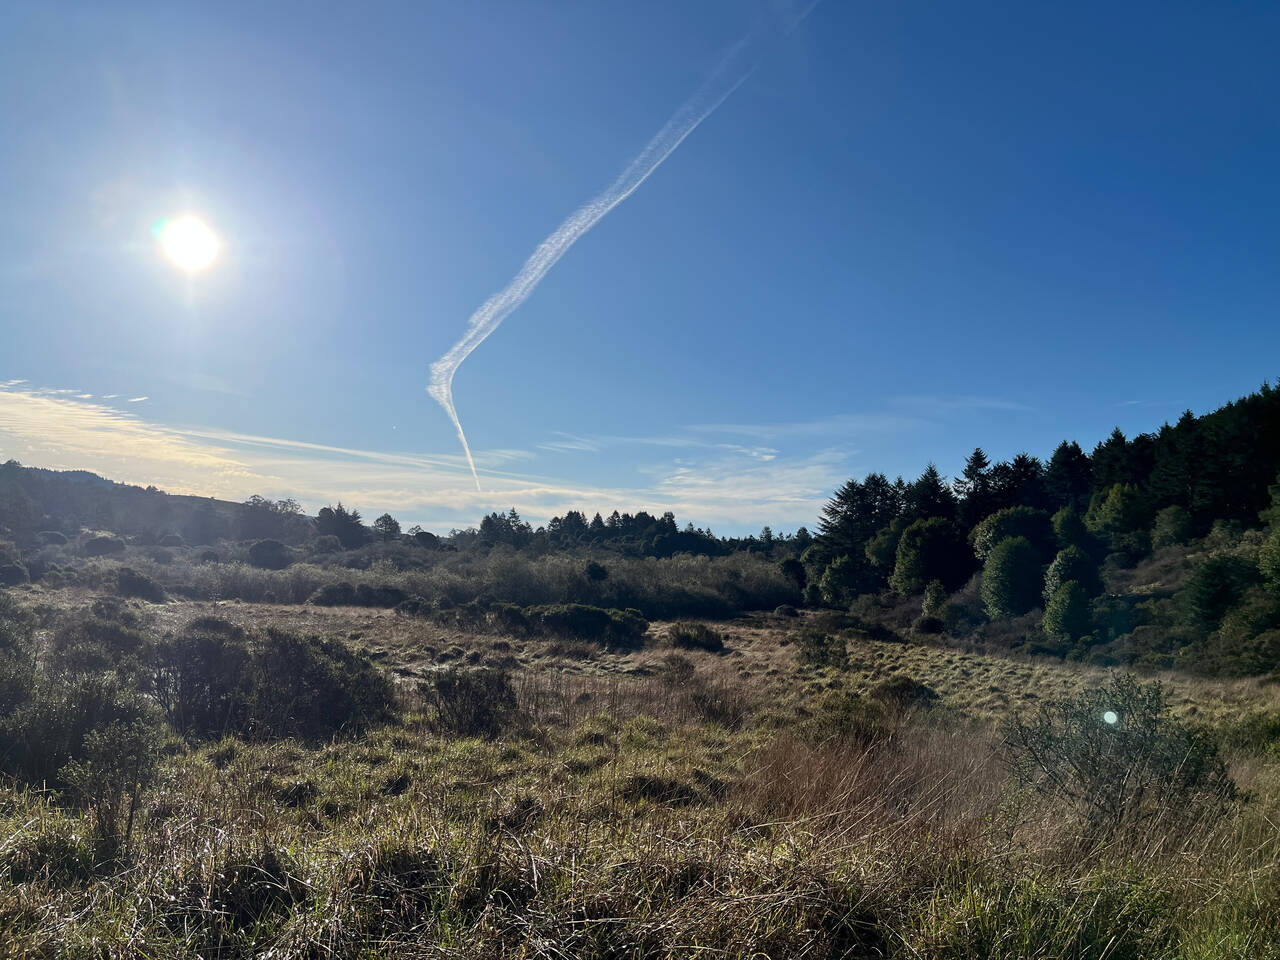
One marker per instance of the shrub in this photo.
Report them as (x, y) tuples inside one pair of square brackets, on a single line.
[(471, 702), (12, 573), (379, 596), (1216, 586), (578, 621), (269, 555), (1072, 563), (102, 546), (933, 549), (817, 648), (697, 636), (934, 601), (52, 538), (312, 688), (334, 595), (327, 543), (1011, 578), (1068, 616), (785, 610), (1118, 755), (1069, 530), (1269, 556), (118, 761), (172, 540), (1172, 526), (1012, 522), (902, 693), (49, 729), (215, 679), (131, 583), (105, 639), (508, 618), (199, 678), (595, 571)]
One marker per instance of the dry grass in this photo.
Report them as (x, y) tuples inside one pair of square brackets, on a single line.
[(654, 803)]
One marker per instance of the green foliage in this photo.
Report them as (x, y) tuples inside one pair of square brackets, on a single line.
[(1122, 516), (818, 648), (1117, 755), (580, 621), (1269, 556), (269, 555), (48, 728), (102, 546), (342, 523), (1246, 640), (1011, 579), (882, 549), (1172, 526), (1216, 586), (1068, 616), (841, 581), (1072, 564), (13, 573), (1069, 530), (933, 549), (697, 636), (214, 679), (117, 763), (1032, 525), (387, 527), (131, 583), (935, 600), (471, 702)]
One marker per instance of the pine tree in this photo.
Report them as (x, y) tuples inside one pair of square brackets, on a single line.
[(929, 497), (1068, 478)]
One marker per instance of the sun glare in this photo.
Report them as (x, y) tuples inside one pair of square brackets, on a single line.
[(188, 242)]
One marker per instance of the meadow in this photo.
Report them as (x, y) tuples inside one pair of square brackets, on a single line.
[(773, 785)]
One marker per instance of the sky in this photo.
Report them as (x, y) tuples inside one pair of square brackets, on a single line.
[(911, 230)]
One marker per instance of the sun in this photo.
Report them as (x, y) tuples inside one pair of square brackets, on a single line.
[(188, 242)]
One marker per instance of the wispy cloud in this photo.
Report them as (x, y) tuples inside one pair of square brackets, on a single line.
[(732, 486), (137, 399)]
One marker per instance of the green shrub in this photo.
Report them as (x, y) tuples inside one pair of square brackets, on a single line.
[(1216, 586), (1011, 579), (785, 610), (508, 618), (903, 693), (13, 573), (818, 648), (1072, 563), (1068, 616), (269, 555), (199, 678), (471, 702), (578, 621), (1269, 556), (131, 583), (215, 679), (697, 636), (933, 549), (1117, 754), (1026, 522), (1172, 526), (334, 595), (48, 731), (117, 762), (313, 688), (934, 601), (102, 546)]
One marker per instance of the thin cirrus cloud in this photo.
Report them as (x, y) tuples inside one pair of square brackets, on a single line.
[(729, 485)]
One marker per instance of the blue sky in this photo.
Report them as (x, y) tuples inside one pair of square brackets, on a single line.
[(914, 229)]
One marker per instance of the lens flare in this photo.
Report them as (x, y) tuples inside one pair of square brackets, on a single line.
[(188, 242)]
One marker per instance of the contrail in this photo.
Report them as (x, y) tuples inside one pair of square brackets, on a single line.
[(726, 78)]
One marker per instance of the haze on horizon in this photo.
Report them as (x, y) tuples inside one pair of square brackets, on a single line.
[(238, 236)]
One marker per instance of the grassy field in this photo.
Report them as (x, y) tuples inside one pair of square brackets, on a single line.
[(656, 802)]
